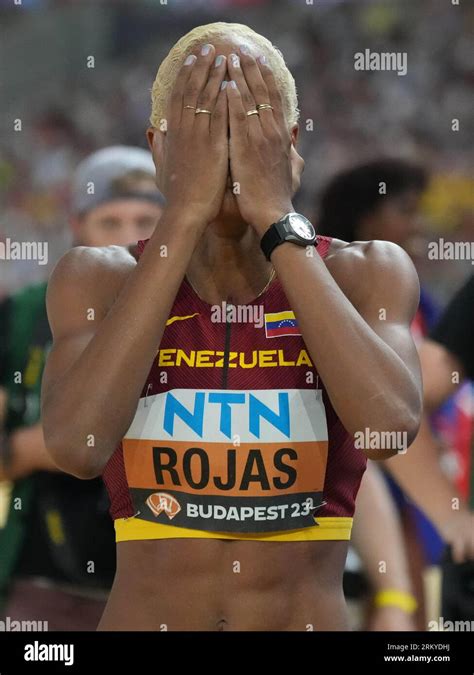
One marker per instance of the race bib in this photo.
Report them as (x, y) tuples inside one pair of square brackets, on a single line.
[(228, 461)]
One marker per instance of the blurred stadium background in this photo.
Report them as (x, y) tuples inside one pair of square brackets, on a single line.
[(68, 109)]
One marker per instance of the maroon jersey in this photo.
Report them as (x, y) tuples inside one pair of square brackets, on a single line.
[(234, 434)]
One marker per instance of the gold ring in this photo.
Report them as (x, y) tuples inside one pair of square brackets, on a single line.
[(264, 106), (191, 107), (252, 112), (201, 110)]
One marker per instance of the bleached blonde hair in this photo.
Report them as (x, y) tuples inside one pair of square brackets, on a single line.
[(169, 67)]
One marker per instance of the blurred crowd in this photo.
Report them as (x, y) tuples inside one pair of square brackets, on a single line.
[(347, 116)]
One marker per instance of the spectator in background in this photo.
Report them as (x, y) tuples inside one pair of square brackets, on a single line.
[(447, 359), (57, 548), (377, 537), (380, 200), (377, 200), (54, 155)]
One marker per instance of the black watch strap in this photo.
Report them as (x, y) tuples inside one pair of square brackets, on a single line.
[(270, 240)]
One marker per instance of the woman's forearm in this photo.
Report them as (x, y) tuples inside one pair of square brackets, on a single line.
[(89, 400)]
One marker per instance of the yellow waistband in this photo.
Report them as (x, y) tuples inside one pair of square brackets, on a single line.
[(135, 529)]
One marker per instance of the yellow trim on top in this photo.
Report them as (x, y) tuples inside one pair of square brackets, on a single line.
[(136, 529)]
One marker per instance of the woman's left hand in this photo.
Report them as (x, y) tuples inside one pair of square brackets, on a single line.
[(260, 145)]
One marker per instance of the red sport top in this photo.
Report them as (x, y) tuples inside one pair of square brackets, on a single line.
[(234, 434)]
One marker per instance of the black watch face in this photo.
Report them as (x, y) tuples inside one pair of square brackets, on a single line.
[(301, 226)]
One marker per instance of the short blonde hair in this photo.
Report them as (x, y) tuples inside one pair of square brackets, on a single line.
[(168, 69)]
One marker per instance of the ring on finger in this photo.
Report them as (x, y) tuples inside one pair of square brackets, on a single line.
[(252, 112), (199, 111), (264, 106), (190, 107)]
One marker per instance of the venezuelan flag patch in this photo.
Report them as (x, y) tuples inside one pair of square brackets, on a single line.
[(281, 323)]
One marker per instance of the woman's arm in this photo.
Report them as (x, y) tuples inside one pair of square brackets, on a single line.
[(378, 539)]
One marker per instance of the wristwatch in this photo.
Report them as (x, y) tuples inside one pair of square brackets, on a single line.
[(294, 228)]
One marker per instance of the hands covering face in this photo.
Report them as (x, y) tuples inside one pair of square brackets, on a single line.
[(227, 111)]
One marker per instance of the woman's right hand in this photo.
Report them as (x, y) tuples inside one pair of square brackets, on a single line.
[(193, 164)]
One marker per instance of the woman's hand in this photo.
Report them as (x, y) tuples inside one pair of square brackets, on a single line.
[(193, 159), (260, 145)]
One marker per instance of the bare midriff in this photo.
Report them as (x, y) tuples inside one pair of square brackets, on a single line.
[(235, 585)]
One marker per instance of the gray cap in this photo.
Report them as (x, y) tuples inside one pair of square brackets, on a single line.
[(97, 178)]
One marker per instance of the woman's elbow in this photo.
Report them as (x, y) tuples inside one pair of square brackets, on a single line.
[(71, 459), (393, 438)]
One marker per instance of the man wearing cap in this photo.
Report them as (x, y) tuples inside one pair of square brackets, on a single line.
[(57, 554)]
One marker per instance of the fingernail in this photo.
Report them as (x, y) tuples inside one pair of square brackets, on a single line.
[(205, 50), (190, 59), (219, 60), (244, 49), (224, 84), (235, 60), (262, 59), (233, 84)]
